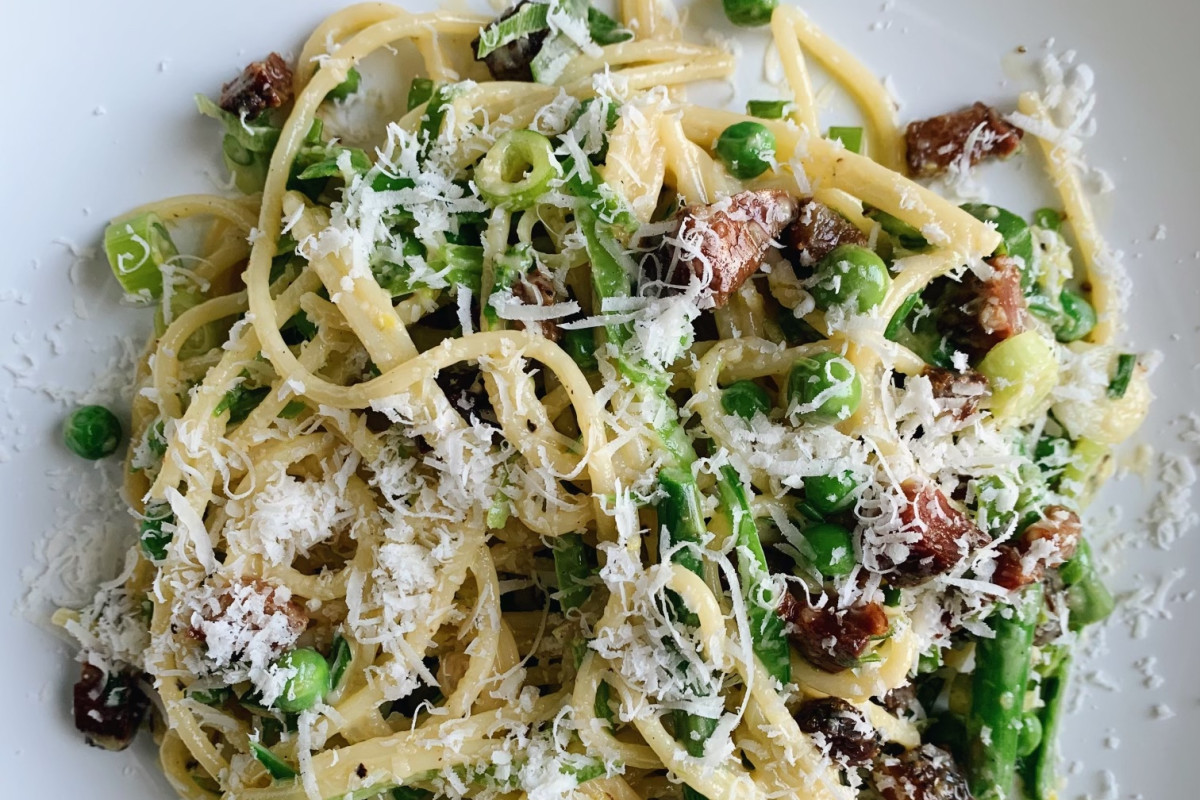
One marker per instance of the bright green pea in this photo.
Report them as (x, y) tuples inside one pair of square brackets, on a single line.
[(92, 432), (308, 685), (1078, 317), (832, 548), (747, 149), (851, 277), (1031, 735), (745, 399), (826, 387), (749, 13), (830, 494)]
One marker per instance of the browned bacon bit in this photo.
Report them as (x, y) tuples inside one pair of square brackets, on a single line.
[(924, 773), (1046, 543), (537, 289), (513, 61), (262, 85), (819, 229), (724, 243), (962, 390), (979, 314), (839, 728), (936, 143), (899, 701), (108, 708), (296, 614), (831, 638), (938, 536)]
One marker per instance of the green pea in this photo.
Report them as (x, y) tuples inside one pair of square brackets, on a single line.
[(749, 13), (832, 548), (1078, 317), (1030, 736), (747, 149), (851, 277), (745, 399), (830, 494), (826, 387), (92, 432), (309, 683)]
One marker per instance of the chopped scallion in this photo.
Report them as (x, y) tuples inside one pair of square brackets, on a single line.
[(850, 137), (1122, 375), (136, 249)]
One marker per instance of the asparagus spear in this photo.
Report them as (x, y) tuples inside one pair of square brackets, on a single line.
[(998, 696)]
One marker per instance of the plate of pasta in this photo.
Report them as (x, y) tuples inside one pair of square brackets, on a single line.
[(734, 400)]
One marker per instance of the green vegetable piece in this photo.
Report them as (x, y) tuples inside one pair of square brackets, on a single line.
[(326, 162), (1077, 317), (580, 344), (1017, 241), (339, 661), (153, 539), (830, 494), (1039, 775), (308, 685), (1021, 371), (851, 138), (605, 30), (573, 569), (825, 388), (419, 91), (292, 410), (240, 401), (769, 638), (1088, 599), (745, 399), (747, 149), (136, 249), (769, 109), (211, 697), (434, 116), (681, 516), (278, 768), (346, 87), (527, 19), (832, 548), (998, 687), (1126, 362), (896, 323), (517, 170), (92, 432), (749, 13), (1031, 735), (1048, 218), (850, 277), (905, 235)]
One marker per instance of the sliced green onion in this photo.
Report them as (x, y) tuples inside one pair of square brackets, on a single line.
[(151, 536), (278, 768), (1122, 375), (580, 344), (346, 87), (604, 29), (339, 661), (323, 162), (850, 137), (1077, 319), (137, 248), (419, 91), (292, 410), (517, 170), (240, 401), (528, 19), (769, 109), (905, 235), (896, 323), (434, 116), (572, 568), (249, 168), (1048, 218)]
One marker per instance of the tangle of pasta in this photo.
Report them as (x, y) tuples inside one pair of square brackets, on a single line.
[(400, 417)]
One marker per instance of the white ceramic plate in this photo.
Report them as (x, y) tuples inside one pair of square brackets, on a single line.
[(99, 118)]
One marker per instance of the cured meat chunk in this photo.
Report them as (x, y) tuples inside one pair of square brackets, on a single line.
[(936, 143)]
